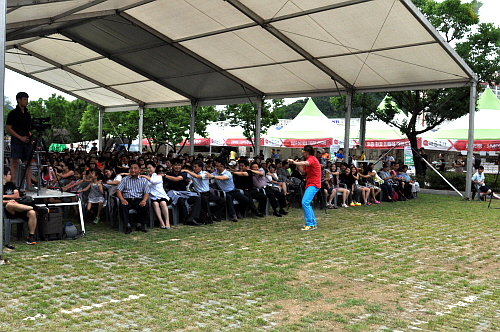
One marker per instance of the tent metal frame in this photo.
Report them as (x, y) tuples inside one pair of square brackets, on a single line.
[(35, 29)]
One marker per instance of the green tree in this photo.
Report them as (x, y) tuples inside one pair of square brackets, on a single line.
[(171, 125), (479, 49), (244, 115)]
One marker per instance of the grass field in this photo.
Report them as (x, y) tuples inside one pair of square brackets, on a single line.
[(431, 264)]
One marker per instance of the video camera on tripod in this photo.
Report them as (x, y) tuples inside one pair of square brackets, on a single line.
[(40, 124)]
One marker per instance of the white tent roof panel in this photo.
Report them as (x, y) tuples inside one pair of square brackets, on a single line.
[(108, 72), (188, 18), (99, 95), (269, 9), (294, 76), (61, 50), (150, 91), (21, 61), (213, 51), (243, 48), (41, 11), (65, 80), (110, 5)]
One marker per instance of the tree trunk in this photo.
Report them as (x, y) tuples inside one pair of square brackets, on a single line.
[(416, 158)]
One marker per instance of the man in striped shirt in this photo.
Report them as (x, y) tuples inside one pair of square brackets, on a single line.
[(133, 192)]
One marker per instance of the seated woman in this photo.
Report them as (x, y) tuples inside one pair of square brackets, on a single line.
[(360, 190), (368, 175), (272, 179), (64, 174), (349, 181), (335, 187), (157, 193)]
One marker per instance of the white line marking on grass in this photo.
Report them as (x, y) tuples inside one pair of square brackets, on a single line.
[(35, 317), (98, 305)]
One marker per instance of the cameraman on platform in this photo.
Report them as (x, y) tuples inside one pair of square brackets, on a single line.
[(18, 125)]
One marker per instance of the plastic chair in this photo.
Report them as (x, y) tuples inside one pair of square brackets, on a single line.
[(8, 222)]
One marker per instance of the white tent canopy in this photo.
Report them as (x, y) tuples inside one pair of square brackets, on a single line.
[(128, 54)]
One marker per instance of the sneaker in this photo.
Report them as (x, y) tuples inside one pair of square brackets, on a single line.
[(96, 220), (30, 240), (358, 204), (308, 228), (31, 188), (352, 204), (344, 205), (377, 202)]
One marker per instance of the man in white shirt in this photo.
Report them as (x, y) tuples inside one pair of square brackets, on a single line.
[(478, 180), (200, 180)]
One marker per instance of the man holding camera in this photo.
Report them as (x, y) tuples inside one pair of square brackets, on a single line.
[(18, 125)]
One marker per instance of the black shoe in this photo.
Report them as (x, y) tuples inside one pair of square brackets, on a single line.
[(234, 218), (239, 216), (144, 229), (192, 223), (30, 240), (260, 215), (283, 212), (128, 229), (216, 218), (138, 228), (277, 214)]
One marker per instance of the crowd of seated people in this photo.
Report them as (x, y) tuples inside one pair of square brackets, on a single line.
[(203, 188)]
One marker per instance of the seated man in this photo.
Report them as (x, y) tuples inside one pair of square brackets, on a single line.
[(275, 196), (133, 192), (478, 180), (388, 182), (13, 209), (224, 180), (243, 180), (200, 180), (177, 183)]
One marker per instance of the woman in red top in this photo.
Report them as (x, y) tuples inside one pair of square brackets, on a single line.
[(312, 169)]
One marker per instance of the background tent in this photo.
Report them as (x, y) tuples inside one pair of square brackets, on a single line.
[(453, 136), (310, 126)]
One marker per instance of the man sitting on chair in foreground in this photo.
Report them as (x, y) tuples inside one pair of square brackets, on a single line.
[(478, 180)]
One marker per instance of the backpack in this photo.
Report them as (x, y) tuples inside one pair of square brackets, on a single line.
[(394, 196), (71, 232)]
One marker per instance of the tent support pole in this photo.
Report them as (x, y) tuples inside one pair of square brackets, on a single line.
[(191, 127), (100, 145), (258, 118), (141, 126), (347, 126), (470, 143), (362, 132), (3, 13)]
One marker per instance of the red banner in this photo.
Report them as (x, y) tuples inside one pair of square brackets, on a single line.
[(389, 143), (317, 143), (197, 141), (460, 145)]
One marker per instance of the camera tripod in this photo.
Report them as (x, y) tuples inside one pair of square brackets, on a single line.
[(38, 146)]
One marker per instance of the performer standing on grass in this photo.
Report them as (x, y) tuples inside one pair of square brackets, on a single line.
[(312, 169)]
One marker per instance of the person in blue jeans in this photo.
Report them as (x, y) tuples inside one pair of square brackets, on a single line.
[(312, 169)]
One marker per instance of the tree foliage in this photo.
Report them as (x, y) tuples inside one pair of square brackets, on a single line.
[(480, 49), (244, 115), (171, 125)]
